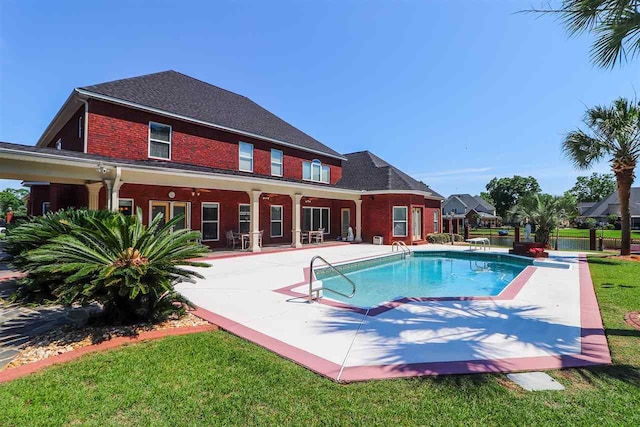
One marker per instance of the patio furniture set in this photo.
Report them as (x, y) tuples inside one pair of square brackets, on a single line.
[(244, 239)]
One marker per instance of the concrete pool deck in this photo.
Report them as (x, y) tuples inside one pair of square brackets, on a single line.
[(548, 320)]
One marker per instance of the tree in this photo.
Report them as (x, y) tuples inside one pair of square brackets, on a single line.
[(614, 133), (506, 192), (568, 204), (542, 210), (14, 199), (593, 188), (615, 23), (486, 197)]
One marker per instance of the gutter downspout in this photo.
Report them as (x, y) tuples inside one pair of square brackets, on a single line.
[(85, 122)]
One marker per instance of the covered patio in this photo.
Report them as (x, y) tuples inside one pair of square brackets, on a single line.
[(260, 212)]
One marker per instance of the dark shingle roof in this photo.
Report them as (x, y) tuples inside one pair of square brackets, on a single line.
[(475, 203), (179, 94), (366, 171), (601, 209)]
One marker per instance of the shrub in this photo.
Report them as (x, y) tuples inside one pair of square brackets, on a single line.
[(109, 258), (441, 238)]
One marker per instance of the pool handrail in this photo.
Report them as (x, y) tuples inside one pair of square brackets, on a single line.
[(401, 246), (317, 290)]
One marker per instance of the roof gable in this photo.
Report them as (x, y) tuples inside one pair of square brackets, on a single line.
[(364, 170), (179, 94)]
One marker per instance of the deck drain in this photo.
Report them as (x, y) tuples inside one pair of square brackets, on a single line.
[(535, 381)]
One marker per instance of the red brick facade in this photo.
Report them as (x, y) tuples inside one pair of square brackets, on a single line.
[(377, 216), (123, 133), (71, 134), (120, 132)]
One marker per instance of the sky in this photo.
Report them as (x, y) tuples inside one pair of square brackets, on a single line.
[(453, 92)]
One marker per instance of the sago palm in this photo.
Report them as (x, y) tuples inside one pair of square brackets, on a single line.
[(613, 134), (129, 268)]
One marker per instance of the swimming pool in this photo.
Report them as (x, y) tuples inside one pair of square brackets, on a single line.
[(422, 275)]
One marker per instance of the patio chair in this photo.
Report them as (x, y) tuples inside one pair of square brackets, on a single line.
[(260, 238), (232, 239), (304, 237), (319, 236)]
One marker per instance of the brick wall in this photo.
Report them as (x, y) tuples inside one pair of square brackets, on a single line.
[(377, 216), (121, 132), (60, 196), (71, 138)]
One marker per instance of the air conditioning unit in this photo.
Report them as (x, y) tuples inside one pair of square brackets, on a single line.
[(378, 240)]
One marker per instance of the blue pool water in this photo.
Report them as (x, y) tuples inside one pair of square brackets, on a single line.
[(423, 275)]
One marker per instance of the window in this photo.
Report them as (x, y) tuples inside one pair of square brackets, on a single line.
[(244, 220), (125, 206), (80, 127), (276, 221), (159, 141), (435, 221), (315, 219), (276, 162), (210, 221), (399, 221), (315, 171), (246, 157), (46, 207)]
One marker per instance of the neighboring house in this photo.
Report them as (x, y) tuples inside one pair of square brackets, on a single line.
[(168, 143), (461, 209), (584, 207), (600, 211)]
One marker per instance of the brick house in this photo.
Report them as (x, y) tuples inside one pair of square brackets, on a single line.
[(168, 143), (465, 209)]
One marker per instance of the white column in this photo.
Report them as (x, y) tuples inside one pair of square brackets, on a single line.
[(296, 217), (255, 220), (93, 190), (113, 194), (358, 220)]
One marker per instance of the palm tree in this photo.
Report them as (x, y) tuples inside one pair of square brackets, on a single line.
[(614, 133), (616, 23), (542, 210)]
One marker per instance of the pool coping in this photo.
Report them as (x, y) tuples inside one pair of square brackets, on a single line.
[(594, 349), (509, 292)]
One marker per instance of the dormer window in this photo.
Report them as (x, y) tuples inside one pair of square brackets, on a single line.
[(315, 171), (159, 141)]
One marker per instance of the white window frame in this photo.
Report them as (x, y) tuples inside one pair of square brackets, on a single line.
[(240, 217), (317, 164), (203, 221), (171, 213), (436, 222), (405, 220), (281, 220), (48, 205), (277, 163), (133, 205), (159, 141), (327, 227), (240, 156)]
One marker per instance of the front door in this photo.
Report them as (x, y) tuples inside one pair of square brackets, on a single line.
[(345, 215), (160, 208), (170, 210), (416, 223)]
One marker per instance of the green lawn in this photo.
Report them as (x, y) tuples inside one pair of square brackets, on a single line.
[(564, 232), (218, 379)]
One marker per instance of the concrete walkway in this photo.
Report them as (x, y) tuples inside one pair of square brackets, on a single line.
[(549, 320)]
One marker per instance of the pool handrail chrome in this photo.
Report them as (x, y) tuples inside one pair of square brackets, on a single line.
[(317, 290), (401, 246)]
